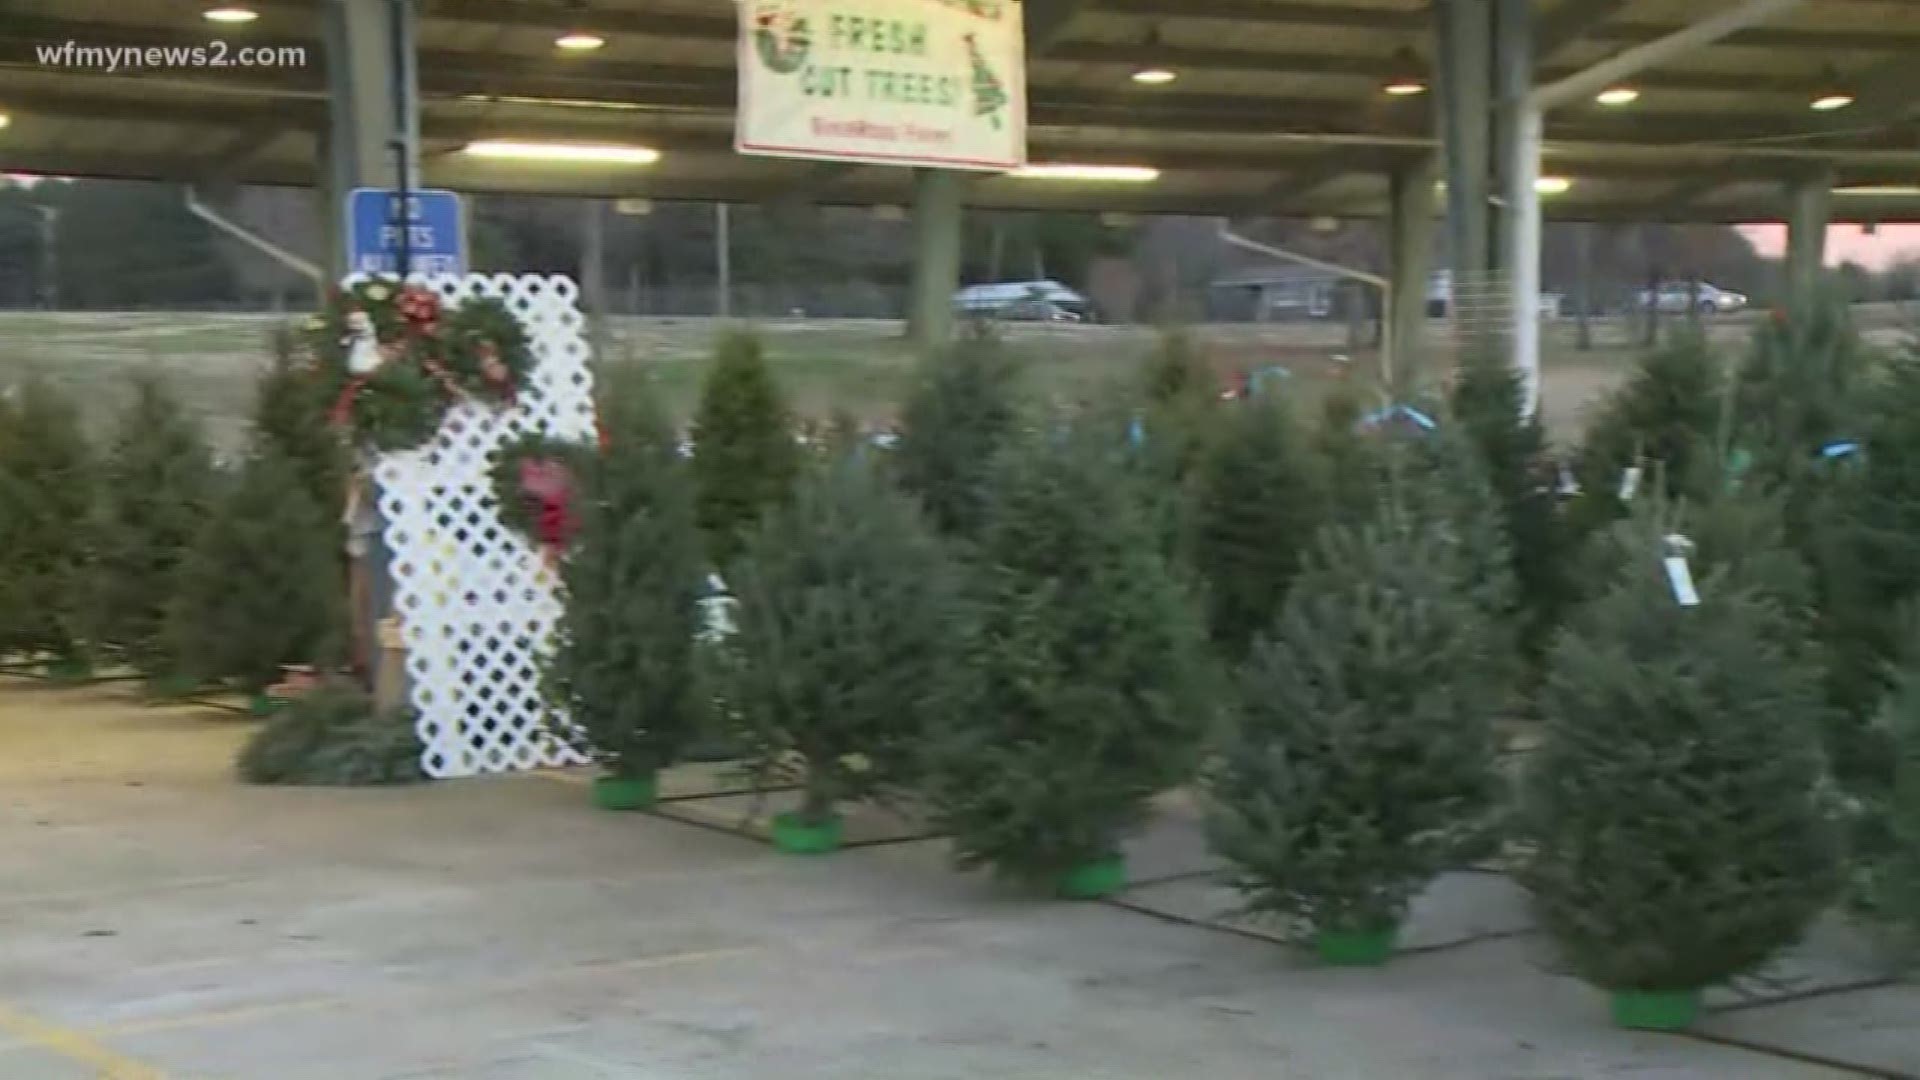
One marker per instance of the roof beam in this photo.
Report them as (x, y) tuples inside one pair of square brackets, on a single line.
[(1046, 23), (1274, 13), (1768, 37), (1570, 22)]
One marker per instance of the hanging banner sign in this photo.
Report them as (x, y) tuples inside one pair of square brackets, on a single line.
[(934, 83)]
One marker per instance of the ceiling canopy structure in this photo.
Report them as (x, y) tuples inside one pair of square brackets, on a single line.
[(1242, 107)]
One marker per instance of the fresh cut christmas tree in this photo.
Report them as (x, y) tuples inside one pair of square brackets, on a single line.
[(959, 414), (1258, 501), (1360, 762), (1888, 852), (261, 587), (744, 454), (290, 418), (1671, 411), (158, 486), (622, 674), (48, 482), (1486, 403), (853, 632), (1681, 833), (1092, 658)]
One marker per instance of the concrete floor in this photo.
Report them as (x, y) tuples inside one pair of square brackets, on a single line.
[(160, 921)]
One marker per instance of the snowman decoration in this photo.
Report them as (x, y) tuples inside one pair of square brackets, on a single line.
[(363, 347)]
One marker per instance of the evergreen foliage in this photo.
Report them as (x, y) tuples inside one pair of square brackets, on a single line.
[(1181, 395), (290, 421), (1891, 864), (623, 669), (853, 632), (1682, 834), (261, 586), (48, 483), (1486, 402), (1670, 412), (959, 414), (1092, 663), (1258, 501), (157, 487), (333, 737), (745, 458), (1362, 761)]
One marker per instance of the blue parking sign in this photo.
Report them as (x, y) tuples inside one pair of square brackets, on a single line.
[(428, 224)]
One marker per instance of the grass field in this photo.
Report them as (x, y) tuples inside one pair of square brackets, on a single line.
[(863, 367)]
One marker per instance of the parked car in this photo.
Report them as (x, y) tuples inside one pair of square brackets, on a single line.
[(1676, 297)]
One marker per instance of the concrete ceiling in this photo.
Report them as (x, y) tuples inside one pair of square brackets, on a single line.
[(1277, 108)]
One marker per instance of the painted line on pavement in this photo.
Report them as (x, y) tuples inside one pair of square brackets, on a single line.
[(74, 1046)]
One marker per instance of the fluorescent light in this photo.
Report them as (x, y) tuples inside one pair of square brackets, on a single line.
[(1403, 87), (1617, 95), (1553, 185), (570, 103), (231, 13), (1879, 189), (579, 41), (545, 151), (1154, 76), (1120, 174), (1829, 102)]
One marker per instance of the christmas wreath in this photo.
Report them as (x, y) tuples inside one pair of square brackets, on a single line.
[(534, 482), (395, 358)]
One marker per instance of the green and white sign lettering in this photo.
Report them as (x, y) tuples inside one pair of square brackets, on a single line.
[(937, 83)]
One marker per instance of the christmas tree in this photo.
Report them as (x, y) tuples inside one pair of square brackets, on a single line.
[(623, 670), (744, 454), (1092, 659), (960, 412), (1671, 412), (290, 421), (261, 586), (852, 640), (1486, 403), (333, 736), (47, 506), (1182, 402), (1361, 763), (158, 486), (1676, 806), (1889, 849), (1258, 501)]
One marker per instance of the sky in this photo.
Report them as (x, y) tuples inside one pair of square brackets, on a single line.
[(1888, 245)]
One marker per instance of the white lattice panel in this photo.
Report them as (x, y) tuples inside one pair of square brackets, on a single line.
[(476, 602)]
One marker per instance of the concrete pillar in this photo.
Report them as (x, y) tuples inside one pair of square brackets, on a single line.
[(1809, 203), (1409, 266), (373, 100), (937, 214), (1513, 81), (1465, 54), (1522, 129)]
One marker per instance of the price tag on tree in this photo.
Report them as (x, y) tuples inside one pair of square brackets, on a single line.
[(1679, 572)]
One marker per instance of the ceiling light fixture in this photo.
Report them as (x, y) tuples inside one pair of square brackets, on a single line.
[(230, 13), (1553, 185), (579, 41), (5, 120), (1618, 95), (578, 152), (1833, 94), (1150, 73), (1409, 76), (1882, 190), (1118, 174)]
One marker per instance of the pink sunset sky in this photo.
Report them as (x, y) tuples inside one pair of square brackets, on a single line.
[(1889, 244)]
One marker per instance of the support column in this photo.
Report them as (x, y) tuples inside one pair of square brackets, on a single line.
[(1513, 82), (937, 216), (1809, 203), (374, 129), (1522, 129), (1465, 54), (1409, 266)]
